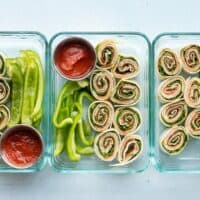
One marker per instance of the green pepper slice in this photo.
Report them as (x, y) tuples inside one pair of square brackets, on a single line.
[(36, 114), (30, 92), (15, 73)]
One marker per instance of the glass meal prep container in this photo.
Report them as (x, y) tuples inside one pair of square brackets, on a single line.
[(10, 44), (189, 159), (130, 44)]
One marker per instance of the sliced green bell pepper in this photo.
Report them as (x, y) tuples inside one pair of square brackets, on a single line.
[(70, 143), (30, 91), (15, 73), (36, 114)]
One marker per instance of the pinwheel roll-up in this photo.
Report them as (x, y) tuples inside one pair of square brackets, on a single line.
[(102, 84), (190, 56), (192, 92), (130, 149), (168, 64), (173, 113), (107, 54), (174, 140), (126, 93), (100, 114), (192, 124), (4, 90), (106, 145), (2, 65), (127, 120), (171, 89), (126, 67), (4, 116)]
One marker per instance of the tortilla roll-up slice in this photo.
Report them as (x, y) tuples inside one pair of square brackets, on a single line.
[(168, 64), (4, 90), (192, 92), (190, 56), (4, 116), (102, 84), (126, 92), (107, 54), (2, 64), (106, 145), (192, 124), (174, 140), (127, 120), (126, 67), (130, 149), (171, 89), (173, 113), (100, 115)]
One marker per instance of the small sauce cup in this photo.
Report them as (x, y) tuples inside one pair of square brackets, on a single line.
[(21, 146), (74, 58)]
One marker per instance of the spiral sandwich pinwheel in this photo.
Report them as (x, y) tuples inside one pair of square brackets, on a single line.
[(100, 115), (2, 65), (168, 64), (192, 92), (126, 67), (4, 90), (4, 116), (130, 149), (192, 124), (127, 120), (107, 54), (190, 56), (126, 93), (173, 113), (102, 84), (171, 89), (106, 145), (174, 140)]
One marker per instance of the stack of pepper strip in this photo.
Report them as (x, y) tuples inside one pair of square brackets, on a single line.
[(72, 131), (27, 81)]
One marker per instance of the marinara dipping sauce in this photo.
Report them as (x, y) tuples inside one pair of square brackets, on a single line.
[(74, 58), (21, 146)]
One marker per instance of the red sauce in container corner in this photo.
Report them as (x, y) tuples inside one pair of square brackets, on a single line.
[(74, 58), (21, 148)]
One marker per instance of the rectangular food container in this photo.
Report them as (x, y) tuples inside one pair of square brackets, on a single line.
[(135, 44), (10, 44), (189, 159)]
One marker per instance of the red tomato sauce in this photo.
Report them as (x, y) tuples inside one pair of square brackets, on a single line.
[(22, 148), (74, 58)]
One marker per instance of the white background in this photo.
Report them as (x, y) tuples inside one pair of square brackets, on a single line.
[(148, 16)]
